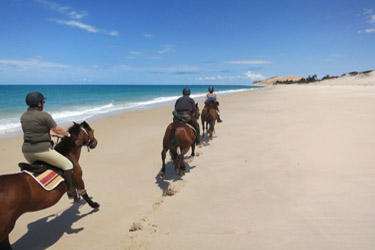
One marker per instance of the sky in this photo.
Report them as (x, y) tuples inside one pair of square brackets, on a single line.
[(207, 42)]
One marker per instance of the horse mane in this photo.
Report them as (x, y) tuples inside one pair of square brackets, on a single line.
[(66, 143)]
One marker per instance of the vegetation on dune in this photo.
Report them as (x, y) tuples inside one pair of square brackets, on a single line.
[(314, 78)]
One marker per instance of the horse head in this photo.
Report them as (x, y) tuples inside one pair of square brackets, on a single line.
[(85, 135), (81, 134)]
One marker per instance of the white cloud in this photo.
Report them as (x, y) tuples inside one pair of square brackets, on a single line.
[(249, 62), (83, 80), (246, 76), (112, 33), (65, 10), (370, 16), (147, 35), (89, 28), (134, 52), (31, 63), (253, 76), (74, 15), (166, 49), (170, 69)]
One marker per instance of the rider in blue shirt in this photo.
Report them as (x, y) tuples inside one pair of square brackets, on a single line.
[(212, 98)]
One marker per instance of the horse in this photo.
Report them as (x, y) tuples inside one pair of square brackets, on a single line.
[(208, 117), (178, 139), (20, 193)]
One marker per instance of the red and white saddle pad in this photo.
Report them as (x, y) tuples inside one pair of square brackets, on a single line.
[(49, 179)]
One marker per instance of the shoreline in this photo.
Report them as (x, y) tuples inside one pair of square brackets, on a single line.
[(111, 107), (288, 166)]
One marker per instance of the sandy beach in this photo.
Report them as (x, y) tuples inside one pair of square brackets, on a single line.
[(291, 167)]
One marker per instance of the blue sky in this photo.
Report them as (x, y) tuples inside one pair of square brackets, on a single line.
[(182, 42)]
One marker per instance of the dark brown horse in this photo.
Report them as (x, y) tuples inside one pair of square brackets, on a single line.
[(20, 193), (178, 139), (208, 117)]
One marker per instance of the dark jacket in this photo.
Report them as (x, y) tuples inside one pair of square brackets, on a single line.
[(185, 103)]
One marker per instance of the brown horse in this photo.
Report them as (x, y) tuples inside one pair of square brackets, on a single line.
[(20, 193), (208, 117), (178, 139)]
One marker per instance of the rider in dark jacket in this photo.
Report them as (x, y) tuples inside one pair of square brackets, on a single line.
[(185, 107)]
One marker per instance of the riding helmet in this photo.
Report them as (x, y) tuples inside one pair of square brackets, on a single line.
[(33, 98), (211, 89), (186, 91)]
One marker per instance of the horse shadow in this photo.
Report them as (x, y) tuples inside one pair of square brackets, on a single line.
[(206, 139), (46, 231), (171, 175)]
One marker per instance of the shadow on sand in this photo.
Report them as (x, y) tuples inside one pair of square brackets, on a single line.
[(46, 231), (171, 175)]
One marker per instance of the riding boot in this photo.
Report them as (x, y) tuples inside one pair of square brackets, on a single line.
[(218, 119), (196, 126), (70, 190)]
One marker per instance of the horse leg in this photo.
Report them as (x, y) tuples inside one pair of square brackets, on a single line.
[(192, 150), (5, 244), (181, 164), (163, 156), (80, 185), (92, 204), (211, 129), (180, 160), (202, 129)]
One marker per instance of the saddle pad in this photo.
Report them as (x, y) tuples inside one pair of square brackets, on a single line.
[(49, 179)]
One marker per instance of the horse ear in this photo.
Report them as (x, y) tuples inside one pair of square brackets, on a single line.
[(196, 105), (75, 123)]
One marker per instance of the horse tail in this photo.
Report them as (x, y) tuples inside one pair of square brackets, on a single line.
[(173, 141)]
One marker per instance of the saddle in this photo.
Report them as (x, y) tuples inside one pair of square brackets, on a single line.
[(39, 167), (211, 102), (45, 174), (175, 120)]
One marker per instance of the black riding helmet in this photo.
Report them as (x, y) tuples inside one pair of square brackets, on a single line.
[(33, 98), (186, 91), (211, 89)]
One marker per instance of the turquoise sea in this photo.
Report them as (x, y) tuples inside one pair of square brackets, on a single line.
[(67, 103)]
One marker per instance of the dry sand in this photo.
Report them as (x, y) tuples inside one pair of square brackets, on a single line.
[(291, 167)]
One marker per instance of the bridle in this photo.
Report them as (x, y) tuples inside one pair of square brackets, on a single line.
[(90, 141)]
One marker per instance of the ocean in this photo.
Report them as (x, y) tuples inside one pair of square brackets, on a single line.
[(67, 103)]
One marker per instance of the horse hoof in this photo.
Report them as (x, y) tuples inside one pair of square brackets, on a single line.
[(95, 205), (182, 173), (77, 199), (162, 175)]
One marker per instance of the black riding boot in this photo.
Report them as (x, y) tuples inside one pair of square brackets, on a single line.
[(218, 119), (70, 188), (195, 124)]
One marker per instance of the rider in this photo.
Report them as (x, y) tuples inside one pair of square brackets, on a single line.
[(36, 126), (185, 107), (211, 97)]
